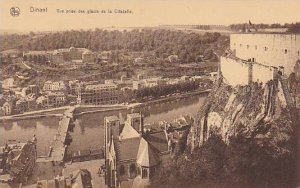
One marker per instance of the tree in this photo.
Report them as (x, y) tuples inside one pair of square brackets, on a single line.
[(203, 168), (294, 28)]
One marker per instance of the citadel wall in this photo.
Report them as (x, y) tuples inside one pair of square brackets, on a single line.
[(268, 49), (239, 72), (234, 72)]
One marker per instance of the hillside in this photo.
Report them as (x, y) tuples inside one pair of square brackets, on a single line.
[(255, 111), (243, 136), (188, 46)]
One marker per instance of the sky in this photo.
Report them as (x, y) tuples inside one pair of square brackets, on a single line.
[(144, 13)]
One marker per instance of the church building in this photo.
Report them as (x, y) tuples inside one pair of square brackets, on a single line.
[(132, 154)]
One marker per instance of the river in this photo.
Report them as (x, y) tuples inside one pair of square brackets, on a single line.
[(88, 131)]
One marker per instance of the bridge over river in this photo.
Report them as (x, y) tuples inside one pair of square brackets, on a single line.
[(59, 145)]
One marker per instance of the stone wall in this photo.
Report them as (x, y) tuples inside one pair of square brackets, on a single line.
[(269, 49), (262, 73), (235, 72), (239, 72)]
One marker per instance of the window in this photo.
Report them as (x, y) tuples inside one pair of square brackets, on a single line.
[(241, 45), (266, 48), (122, 170), (298, 53), (255, 47), (248, 46), (132, 169), (285, 51), (144, 173)]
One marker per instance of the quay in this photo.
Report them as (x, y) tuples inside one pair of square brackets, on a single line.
[(52, 112)]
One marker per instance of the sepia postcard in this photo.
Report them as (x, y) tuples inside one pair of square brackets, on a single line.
[(149, 94)]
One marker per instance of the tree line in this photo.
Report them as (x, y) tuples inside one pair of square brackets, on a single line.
[(163, 90), (188, 46), (292, 27), (241, 163)]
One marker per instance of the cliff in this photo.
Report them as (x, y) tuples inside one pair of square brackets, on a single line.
[(262, 112)]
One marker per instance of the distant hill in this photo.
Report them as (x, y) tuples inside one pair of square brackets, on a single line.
[(189, 46)]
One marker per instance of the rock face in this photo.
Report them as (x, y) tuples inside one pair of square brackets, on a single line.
[(262, 112)]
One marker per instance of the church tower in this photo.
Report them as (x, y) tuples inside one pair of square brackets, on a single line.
[(136, 121), (112, 130)]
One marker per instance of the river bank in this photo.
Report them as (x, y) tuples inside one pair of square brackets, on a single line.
[(85, 109), (88, 132), (176, 97), (53, 112)]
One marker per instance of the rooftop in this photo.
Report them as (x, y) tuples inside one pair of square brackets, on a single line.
[(158, 140), (100, 86), (128, 148), (128, 132), (147, 156)]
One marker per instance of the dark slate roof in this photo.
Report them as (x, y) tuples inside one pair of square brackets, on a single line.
[(158, 140), (147, 154), (127, 149)]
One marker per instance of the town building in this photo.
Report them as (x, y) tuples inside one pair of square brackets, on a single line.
[(8, 83), (109, 81), (76, 64), (67, 54), (87, 154), (176, 130), (99, 94), (27, 103), (37, 56), (124, 78), (42, 102), (56, 99), (136, 84), (54, 86), (147, 82), (74, 86), (196, 78), (75, 53), (78, 179), (132, 155), (31, 89), (8, 107), (104, 56), (88, 57), (57, 57), (51, 99), (173, 81), (17, 161), (124, 83), (60, 56)]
